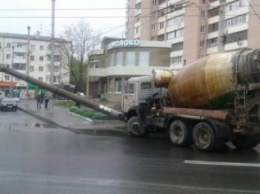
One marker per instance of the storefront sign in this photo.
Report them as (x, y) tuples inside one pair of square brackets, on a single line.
[(124, 43)]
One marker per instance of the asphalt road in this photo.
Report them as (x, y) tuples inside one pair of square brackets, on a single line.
[(37, 158)]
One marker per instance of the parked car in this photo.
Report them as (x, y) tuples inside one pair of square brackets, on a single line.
[(8, 104)]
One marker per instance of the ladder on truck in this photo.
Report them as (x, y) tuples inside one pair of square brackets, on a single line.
[(240, 96)]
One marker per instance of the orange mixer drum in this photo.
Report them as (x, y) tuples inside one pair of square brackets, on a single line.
[(208, 82)]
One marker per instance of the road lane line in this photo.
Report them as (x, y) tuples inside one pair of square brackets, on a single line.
[(222, 163)]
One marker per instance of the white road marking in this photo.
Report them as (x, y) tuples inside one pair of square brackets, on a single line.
[(222, 163)]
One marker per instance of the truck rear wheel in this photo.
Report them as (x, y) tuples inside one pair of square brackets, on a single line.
[(203, 136), (134, 127), (179, 133), (246, 141)]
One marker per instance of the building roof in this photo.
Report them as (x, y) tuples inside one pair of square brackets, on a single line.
[(32, 37)]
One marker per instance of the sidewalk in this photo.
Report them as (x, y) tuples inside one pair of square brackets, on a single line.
[(61, 117)]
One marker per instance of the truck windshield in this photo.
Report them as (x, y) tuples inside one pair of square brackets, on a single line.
[(129, 89)]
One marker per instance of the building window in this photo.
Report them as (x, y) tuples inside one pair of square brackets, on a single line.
[(40, 78), (161, 2), (57, 58), (119, 58), (130, 58), (138, 8), (41, 58), (118, 85), (175, 34), (111, 59), (144, 57), (154, 14), (202, 29), (154, 2), (41, 48), (202, 42), (160, 25), (213, 27), (19, 66), (177, 59), (8, 45), (160, 37), (7, 77), (57, 47), (237, 20), (175, 21), (110, 85), (154, 27), (41, 68), (48, 78), (56, 69), (137, 29), (161, 12), (236, 37), (56, 79), (236, 5), (138, 18), (8, 56), (32, 47), (177, 46), (31, 58), (31, 68), (203, 14), (212, 42), (213, 12), (19, 44)]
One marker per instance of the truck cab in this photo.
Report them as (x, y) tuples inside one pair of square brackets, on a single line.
[(137, 90)]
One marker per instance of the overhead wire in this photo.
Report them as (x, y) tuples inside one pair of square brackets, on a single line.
[(257, 15)]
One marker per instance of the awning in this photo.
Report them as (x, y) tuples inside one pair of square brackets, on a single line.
[(7, 84)]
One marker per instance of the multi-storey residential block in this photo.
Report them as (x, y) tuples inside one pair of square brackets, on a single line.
[(14, 53), (195, 28)]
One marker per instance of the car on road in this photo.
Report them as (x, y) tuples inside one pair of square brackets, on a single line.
[(8, 104)]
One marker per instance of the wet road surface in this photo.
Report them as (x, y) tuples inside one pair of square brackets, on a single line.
[(43, 159)]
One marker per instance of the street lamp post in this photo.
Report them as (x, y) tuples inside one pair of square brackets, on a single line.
[(28, 63), (12, 78), (52, 51)]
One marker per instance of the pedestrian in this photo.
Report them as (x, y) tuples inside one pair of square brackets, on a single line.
[(42, 96), (38, 98), (46, 99)]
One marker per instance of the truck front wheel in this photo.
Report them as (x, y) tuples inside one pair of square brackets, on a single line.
[(203, 136), (246, 141), (179, 133), (134, 128)]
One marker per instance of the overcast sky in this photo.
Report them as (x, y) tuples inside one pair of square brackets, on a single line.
[(104, 16)]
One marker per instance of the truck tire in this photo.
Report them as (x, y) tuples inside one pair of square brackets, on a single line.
[(204, 137), (134, 127), (246, 141), (179, 133)]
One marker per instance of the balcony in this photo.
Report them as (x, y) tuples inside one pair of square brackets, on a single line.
[(20, 49), (19, 60)]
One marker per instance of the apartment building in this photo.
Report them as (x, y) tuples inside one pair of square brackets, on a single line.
[(14, 54), (195, 28)]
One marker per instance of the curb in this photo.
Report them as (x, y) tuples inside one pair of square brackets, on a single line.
[(97, 131)]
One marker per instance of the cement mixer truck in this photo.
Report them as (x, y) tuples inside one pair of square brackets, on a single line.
[(208, 103), (214, 100)]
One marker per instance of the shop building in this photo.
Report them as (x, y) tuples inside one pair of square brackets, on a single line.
[(119, 60)]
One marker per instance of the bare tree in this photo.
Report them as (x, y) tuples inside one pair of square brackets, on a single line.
[(76, 56)]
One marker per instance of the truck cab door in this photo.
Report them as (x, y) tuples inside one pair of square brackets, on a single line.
[(128, 99)]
